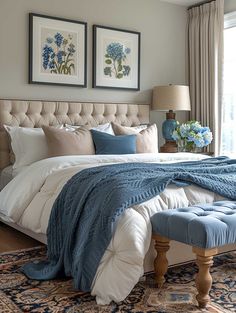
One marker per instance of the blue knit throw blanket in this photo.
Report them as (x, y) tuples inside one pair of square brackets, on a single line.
[(82, 218)]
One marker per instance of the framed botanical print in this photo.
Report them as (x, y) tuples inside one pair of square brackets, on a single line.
[(116, 58), (58, 51)]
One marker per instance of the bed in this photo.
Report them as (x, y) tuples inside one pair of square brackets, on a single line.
[(126, 258)]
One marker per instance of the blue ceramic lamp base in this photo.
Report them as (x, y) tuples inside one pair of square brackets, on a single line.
[(168, 126)]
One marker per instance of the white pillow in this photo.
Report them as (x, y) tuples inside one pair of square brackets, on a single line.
[(137, 129), (28, 144), (104, 128)]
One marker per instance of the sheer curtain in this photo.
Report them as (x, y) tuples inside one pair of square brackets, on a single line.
[(228, 138), (205, 63)]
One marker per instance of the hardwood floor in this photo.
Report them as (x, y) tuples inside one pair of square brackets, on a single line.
[(11, 239)]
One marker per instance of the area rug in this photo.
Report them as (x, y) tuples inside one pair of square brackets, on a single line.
[(19, 294)]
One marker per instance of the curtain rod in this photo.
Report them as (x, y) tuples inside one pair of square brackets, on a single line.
[(199, 4)]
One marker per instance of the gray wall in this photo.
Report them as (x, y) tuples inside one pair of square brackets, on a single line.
[(162, 28)]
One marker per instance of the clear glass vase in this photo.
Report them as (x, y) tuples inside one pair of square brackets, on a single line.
[(186, 146)]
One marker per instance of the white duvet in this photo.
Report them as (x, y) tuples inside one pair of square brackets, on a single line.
[(27, 201)]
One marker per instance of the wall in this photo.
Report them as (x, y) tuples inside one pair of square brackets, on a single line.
[(230, 5), (162, 28)]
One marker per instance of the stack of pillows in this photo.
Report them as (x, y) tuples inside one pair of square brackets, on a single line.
[(29, 145)]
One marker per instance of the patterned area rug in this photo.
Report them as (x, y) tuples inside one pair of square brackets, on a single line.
[(19, 294)]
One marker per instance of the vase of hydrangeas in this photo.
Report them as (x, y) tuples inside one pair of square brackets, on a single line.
[(192, 137)]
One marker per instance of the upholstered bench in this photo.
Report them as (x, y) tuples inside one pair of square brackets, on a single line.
[(205, 228)]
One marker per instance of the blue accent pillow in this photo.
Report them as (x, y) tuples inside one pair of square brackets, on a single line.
[(109, 144)]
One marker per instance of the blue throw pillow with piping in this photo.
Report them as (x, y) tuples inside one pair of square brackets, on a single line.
[(109, 144)]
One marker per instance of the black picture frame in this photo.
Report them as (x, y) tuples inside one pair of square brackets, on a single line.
[(95, 65), (31, 79)]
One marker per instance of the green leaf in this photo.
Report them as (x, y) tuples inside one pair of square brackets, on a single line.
[(60, 67), (119, 68), (71, 66), (119, 75), (67, 61), (107, 56), (107, 71), (57, 67), (108, 61)]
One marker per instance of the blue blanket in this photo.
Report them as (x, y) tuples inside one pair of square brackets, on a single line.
[(82, 219)]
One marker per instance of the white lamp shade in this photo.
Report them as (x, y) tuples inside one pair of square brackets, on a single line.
[(172, 97)]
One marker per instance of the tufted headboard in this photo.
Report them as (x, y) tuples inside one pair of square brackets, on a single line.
[(38, 113)]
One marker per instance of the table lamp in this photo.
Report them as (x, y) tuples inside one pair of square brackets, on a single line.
[(170, 98)]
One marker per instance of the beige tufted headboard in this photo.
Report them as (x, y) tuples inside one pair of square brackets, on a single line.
[(38, 113)]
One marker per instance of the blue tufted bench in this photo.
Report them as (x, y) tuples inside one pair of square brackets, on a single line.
[(204, 227)]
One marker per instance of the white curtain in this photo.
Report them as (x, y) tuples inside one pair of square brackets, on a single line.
[(205, 63), (228, 142)]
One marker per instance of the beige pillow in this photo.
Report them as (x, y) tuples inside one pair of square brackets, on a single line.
[(146, 138), (61, 142)]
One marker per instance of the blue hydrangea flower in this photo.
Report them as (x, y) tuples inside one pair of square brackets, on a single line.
[(199, 140), (127, 50), (115, 51), (193, 133), (204, 129), (51, 65), (47, 51), (175, 135), (184, 130), (195, 126), (58, 39), (71, 49), (191, 136), (207, 136), (49, 40), (60, 54)]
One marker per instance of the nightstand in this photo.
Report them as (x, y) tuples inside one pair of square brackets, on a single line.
[(207, 153), (204, 153)]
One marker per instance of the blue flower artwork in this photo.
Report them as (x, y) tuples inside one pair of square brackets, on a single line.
[(58, 52), (115, 58)]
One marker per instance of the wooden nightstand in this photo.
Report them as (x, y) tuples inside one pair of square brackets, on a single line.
[(204, 153), (207, 153)]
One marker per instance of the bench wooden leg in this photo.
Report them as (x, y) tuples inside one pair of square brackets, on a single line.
[(204, 279), (162, 245)]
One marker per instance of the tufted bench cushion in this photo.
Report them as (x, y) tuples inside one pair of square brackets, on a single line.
[(205, 226)]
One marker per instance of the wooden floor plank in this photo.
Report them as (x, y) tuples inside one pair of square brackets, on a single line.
[(11, 239)]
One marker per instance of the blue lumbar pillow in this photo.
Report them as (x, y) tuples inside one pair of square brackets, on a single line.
[(109, 144)]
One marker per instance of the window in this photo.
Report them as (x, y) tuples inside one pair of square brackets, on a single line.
[(228, 138)]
